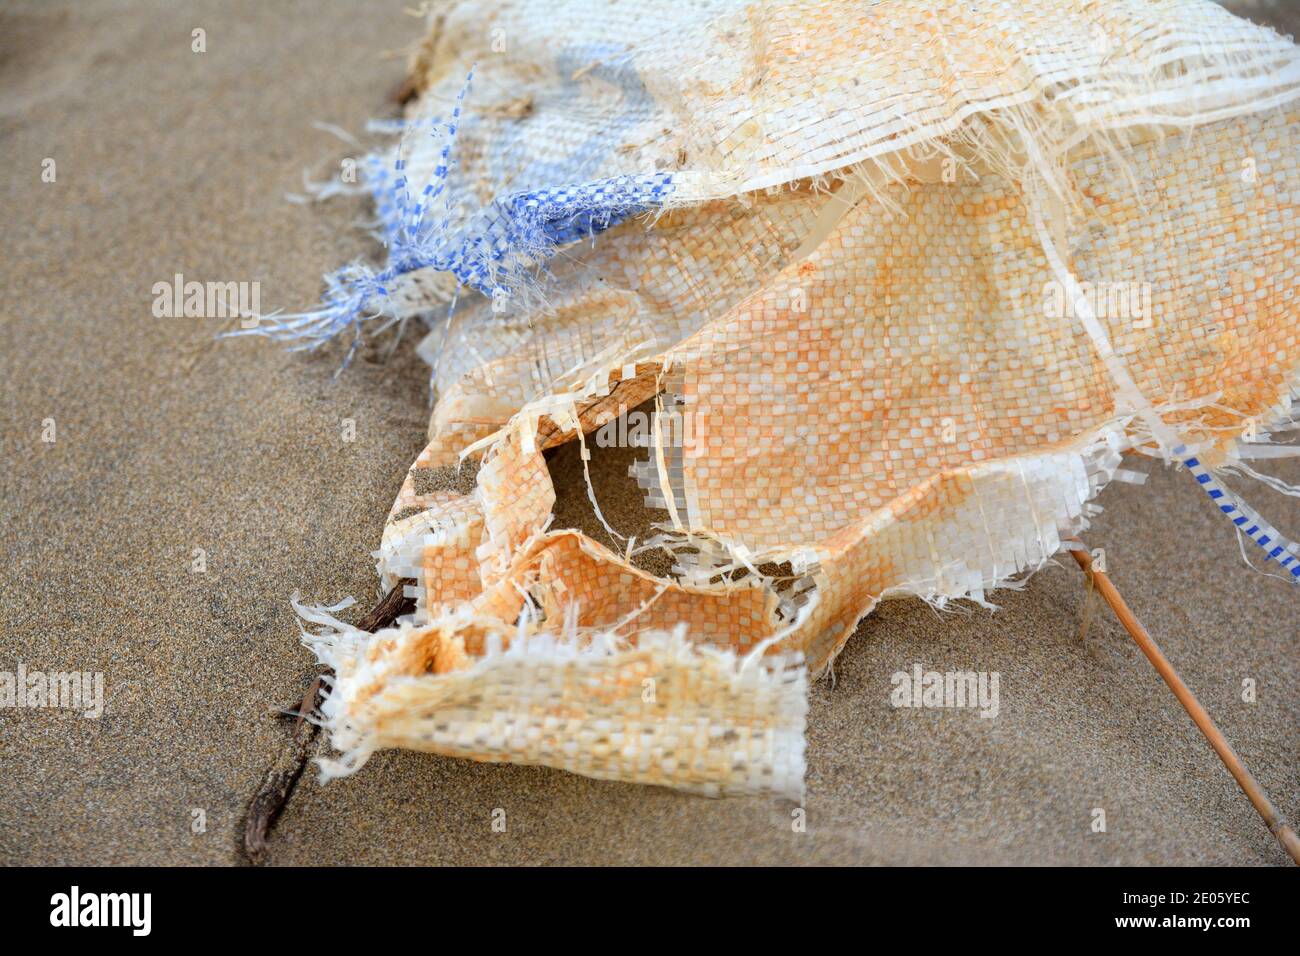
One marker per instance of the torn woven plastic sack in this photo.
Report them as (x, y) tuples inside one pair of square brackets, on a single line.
[(919, 274)]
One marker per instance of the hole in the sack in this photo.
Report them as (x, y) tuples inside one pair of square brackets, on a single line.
[(461, 478), (621, 500)]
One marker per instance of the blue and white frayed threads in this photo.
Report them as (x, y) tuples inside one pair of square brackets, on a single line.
[(499, 250), (1278, 548)]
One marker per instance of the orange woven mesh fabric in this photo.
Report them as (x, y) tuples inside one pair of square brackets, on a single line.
[(915, 275)]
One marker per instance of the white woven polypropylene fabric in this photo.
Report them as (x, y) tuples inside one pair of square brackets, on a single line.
[(919, 274)]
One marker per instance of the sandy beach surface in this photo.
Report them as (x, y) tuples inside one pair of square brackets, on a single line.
[(172, 452)]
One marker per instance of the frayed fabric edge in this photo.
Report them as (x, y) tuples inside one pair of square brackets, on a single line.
[(665, 711)]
